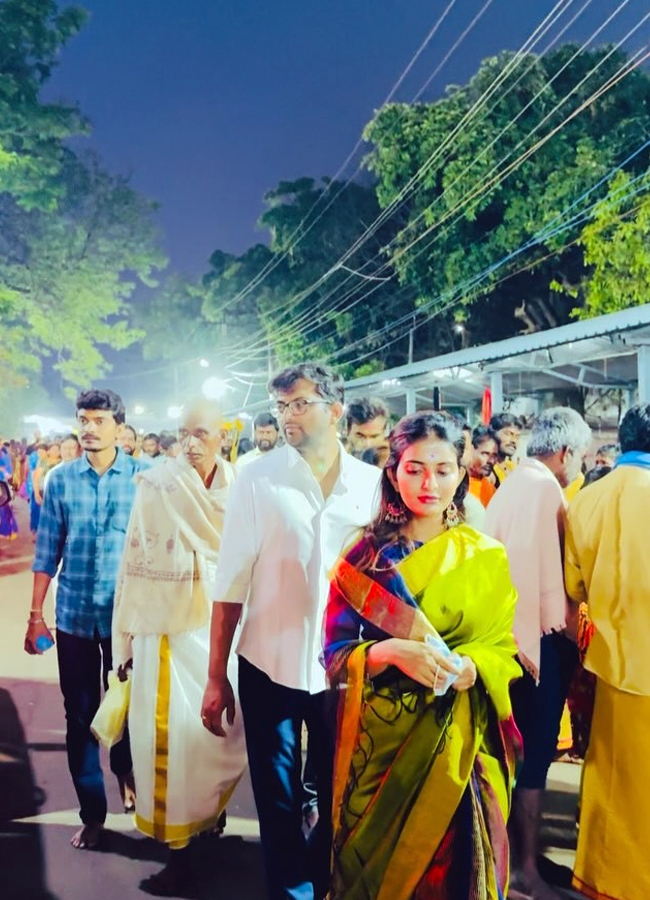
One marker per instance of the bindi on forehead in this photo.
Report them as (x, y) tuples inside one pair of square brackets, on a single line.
[(431, 451)]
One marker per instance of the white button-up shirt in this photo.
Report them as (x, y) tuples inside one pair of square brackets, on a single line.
[(280, 540)]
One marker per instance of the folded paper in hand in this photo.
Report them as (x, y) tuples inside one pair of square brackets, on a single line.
[(439, 645)]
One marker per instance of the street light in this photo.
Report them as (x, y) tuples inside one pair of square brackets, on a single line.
[(174, 412), (215, 388), (204, 363), (138, 409)]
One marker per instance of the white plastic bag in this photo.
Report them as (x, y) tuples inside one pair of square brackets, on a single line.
[(110, 719)]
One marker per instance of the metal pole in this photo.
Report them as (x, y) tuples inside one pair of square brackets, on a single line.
[(643, 371), (410, 401), (496, 386)]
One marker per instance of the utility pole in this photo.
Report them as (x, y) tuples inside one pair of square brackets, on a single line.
[(411, 339)]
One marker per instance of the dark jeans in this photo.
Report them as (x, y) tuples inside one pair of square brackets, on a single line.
[(84, 663), (537, 709), (296, 867)]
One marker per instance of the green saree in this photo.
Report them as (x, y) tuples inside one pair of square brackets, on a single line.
[(422, 783)]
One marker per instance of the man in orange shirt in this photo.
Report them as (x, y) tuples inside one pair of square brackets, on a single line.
[(484, 459)]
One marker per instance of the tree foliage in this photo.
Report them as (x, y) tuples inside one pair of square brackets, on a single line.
[(275, 303), (74, 238), (504, 173), (616, 244)]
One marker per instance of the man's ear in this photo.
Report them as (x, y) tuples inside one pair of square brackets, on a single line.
[(120, 430), (337, 411)]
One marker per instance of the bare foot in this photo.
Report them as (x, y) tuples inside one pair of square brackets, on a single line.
[(87, 838), (127, 791)]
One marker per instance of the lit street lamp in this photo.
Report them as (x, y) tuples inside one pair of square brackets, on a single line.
[(215, 388)]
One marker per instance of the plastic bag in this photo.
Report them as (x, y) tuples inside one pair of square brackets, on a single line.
[(110, 719)]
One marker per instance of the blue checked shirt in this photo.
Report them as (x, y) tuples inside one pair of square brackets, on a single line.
[(83, 526)]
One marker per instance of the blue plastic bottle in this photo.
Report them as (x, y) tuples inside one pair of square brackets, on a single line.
[(43, 643)]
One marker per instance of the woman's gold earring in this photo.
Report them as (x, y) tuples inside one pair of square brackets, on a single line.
[(452, 516)]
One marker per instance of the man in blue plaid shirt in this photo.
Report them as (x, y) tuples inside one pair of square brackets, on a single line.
[(81, 534)]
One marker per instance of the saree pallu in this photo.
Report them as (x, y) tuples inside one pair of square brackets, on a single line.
[(422, 783), (184, 775), (614, 836)]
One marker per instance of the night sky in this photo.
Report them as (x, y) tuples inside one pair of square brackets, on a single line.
[(209, 103)]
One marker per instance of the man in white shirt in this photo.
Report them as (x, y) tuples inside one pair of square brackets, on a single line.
[(266, 433), (289, 518)]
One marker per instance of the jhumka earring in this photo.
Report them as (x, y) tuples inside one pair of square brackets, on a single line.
[(396, 512), (452, 516)]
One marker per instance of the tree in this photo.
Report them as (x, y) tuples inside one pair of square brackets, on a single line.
[(489, 187), (305, 301), (66, 275), (32, 133), (74, 239), (616, 244)]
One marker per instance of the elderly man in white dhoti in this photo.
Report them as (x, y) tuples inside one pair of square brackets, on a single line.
[(184, 774)]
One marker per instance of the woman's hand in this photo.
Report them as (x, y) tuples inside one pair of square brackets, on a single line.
[(416, 659), (467, 677)]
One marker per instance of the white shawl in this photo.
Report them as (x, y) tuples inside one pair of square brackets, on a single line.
[(171, 552)]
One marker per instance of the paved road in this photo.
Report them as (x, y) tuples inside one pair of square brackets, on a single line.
[(38, 812)]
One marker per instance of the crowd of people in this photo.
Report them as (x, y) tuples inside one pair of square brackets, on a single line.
[(418, 600)]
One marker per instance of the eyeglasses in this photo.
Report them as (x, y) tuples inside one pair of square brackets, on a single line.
[(295, 407)]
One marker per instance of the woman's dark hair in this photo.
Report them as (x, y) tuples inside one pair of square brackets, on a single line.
[(413, 428)]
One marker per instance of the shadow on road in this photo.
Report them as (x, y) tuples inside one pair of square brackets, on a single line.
[(21, 848), (221, 867)]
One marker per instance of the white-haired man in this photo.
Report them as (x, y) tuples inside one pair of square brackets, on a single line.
[(184, 775), (528, 514)]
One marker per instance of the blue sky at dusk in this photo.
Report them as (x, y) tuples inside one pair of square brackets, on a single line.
[(207, 104)]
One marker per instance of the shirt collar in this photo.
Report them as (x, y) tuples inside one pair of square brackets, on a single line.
[(294, 458), (117, 466)]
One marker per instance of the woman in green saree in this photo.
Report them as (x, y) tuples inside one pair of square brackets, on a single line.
[(423, 768)]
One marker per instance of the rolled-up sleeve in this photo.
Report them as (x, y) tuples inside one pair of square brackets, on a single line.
[(239, 544), (50, 539)]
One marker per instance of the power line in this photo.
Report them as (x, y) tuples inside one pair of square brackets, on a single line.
[(513, 166), (530, 42)]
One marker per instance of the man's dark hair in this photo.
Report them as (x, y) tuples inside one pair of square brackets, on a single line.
[(70, 437), (167, 440), (371, 456), (365, 409), (103, 399), (484, 433), (505, 420), (265, 420), (634, 430), (244, 446), (596, 474), (608, 450), (132, 430), (329, 384), (152, 436)]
